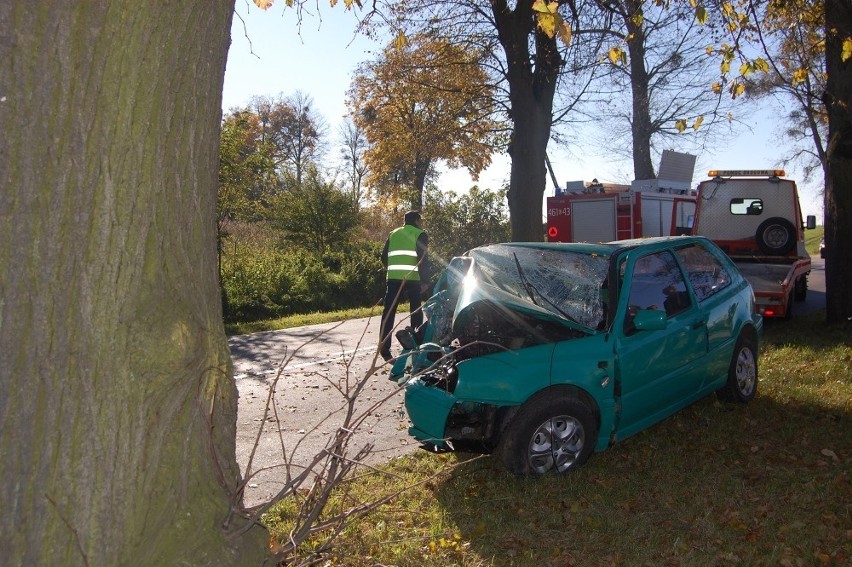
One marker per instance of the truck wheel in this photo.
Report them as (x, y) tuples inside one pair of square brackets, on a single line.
[(741, 386), (788, 313), (551, 434), (801, 288), (776, 236)]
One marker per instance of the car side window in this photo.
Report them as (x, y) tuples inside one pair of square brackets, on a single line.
[(705, 272), (657, 284)]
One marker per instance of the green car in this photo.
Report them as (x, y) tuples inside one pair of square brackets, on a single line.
[(546, 352)]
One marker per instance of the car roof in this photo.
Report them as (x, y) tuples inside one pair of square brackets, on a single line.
[(606, 248)]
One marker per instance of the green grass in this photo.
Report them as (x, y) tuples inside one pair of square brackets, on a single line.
[(812, 240), (300, 320), (766, 483)]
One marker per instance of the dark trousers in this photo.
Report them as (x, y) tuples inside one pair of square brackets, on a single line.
[(396, 290)]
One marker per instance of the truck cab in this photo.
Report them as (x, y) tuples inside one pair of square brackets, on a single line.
[(756, 218)]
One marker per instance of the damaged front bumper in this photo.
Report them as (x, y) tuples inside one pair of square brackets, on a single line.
[(428, 409)]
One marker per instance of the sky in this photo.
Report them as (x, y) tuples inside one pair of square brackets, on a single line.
[(273, 54)]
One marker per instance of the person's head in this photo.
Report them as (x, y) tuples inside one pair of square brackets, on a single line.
[(412, 218)]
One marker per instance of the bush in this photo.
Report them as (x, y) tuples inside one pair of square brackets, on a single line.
[(262, 281)]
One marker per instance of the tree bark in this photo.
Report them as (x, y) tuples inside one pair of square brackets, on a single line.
[(531, 89), (117, 406), (640, 125), (838, 179)]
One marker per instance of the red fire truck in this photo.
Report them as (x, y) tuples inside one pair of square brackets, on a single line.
[(603, 214)]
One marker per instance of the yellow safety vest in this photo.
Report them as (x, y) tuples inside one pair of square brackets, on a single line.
[(402, 253)]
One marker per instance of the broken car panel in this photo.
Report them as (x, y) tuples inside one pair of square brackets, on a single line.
[(546, 352)]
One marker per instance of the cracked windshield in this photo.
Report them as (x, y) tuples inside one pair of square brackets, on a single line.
[(569, 284)]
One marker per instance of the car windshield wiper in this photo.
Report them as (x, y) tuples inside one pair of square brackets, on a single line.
[(530, 288)]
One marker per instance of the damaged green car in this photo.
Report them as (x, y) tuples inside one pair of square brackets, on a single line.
[(544, 353)]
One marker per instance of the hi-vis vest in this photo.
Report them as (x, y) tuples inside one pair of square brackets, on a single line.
[(402, 253)]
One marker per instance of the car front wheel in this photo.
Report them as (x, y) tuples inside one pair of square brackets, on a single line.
[(551, 434), (742, 374)]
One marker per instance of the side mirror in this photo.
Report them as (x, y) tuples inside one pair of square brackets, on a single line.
[(811, 222), (650, 320)]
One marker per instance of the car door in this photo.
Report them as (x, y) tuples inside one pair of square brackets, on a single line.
[(712, 285), (658, 370)]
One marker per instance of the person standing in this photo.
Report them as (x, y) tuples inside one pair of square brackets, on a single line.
[(407, 271)]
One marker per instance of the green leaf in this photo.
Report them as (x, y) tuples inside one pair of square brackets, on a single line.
[(701, 15)]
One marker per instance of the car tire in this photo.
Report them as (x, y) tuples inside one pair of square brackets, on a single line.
[(551, 433), (741, 386), (776, 236)]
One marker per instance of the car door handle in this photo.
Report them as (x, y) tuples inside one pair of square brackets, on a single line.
[(698, 324)]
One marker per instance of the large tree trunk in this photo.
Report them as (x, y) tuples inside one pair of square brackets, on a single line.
[(531, 90), (838, 179), (117, 407), (640, 125)]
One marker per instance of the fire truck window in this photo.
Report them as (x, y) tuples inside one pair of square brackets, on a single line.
[(746, 206), (706, 274)]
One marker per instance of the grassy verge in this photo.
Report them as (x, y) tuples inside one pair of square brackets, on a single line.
[(300, 320), (763, 484), (812, 240)]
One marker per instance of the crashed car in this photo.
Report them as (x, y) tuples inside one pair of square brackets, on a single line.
[(544, 353)]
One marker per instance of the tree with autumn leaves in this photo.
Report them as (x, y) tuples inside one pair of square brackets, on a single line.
[(117, 404), (422, 102)]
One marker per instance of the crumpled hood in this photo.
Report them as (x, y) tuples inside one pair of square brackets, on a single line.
[(474, 293)]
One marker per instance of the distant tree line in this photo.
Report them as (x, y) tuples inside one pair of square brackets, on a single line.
[(298, 233)]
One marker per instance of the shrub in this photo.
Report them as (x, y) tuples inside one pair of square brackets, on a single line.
[(263, 281)]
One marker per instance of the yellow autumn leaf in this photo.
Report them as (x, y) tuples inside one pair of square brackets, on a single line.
[(541, 6), (709, 50), (617, 55), (263, 4), (698, 122), (717, 88), (701, 15), (847, 49), (737, 89), (799, 76), (400, 41), (564, 31), (550, 21), (680, 125)]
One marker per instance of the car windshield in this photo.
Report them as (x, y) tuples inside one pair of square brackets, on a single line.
[(568, 283)]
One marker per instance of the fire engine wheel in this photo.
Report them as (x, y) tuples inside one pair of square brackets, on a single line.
[(776, 236)]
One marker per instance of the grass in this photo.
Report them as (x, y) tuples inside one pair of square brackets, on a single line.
[(300, 320), (767, 483), (812, 240)]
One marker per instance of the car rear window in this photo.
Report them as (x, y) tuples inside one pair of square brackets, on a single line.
[(705, 272)]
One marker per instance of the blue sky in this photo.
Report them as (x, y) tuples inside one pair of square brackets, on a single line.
[(272, 54)]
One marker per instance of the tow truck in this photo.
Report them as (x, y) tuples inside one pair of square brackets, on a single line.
[(756, 218)]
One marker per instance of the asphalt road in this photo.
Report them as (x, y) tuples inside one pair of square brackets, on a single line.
[(815, 300), (311, 369), (308, 373)]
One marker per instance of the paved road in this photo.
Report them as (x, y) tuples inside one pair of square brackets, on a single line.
[(321, 362), (815, 299), (312, 369)]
